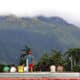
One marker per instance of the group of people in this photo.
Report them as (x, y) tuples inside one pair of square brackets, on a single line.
[(27, 59), (26, 62)]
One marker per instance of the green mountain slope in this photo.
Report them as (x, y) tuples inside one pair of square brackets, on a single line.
[(40, 33)]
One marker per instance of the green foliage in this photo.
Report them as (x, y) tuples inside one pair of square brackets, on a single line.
[(54, 59), (23, 55), (44, 60), (76, 68), (69, 59), (44, 63), (1, 67), (57, 58), (73, 55)]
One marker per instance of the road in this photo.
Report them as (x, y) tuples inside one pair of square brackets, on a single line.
[(40, 75)]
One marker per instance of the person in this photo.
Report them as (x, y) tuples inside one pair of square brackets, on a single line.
[(30, 60), (22, 57), (53, 68), (13, 69), (6, 68)]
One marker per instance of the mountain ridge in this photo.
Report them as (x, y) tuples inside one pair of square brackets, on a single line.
[(40, 33)]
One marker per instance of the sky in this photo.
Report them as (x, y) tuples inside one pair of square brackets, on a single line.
[(67, 9)]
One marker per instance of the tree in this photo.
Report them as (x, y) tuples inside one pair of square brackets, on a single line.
[(76, 68), (44, 62), (23, 55), (56, 58), (73, 55)]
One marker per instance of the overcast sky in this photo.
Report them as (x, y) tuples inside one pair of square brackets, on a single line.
[(67, 9)]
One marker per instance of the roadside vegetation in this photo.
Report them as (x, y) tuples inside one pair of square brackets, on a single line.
[(70, 59)]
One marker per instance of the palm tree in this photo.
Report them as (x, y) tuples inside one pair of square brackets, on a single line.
[(56, 57), (44, 62), (73, 55), (23, 55)]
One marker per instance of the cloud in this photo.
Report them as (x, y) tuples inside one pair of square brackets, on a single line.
[(69, 9)]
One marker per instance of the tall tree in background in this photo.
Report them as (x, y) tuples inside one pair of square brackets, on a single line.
[(73, 55), (44, 62), (56, 57)]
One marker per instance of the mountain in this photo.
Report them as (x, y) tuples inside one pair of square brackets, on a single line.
[(53, 20), (40, 33)]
